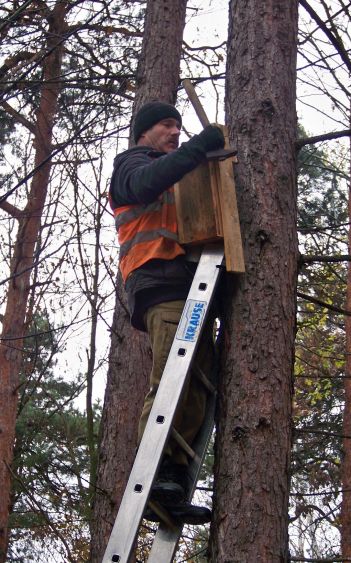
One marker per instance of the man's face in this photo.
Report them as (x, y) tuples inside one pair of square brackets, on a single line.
[(163, 136)]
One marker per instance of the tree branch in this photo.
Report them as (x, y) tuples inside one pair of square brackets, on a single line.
[(322, 376), (319, 138), (324, 432), (321, 493), (302, 508), (108, 29), (304, 259), (11, 209), (308, 230), (20, 57), (336, 559), (60, 148), (323, 304), (338, 44), (18, 117), (203, 47)]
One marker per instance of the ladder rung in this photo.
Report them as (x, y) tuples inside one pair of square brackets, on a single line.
[(204, 380), (183, 444)]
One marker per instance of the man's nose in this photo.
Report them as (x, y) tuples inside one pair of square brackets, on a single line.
[(175, 131)]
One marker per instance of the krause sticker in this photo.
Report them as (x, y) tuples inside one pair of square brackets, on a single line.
[(191, 320)]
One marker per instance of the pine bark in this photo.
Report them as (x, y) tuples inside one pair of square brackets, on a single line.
[(254, 416), (159, 65), (23, 261), (130, 355), (346, 461)]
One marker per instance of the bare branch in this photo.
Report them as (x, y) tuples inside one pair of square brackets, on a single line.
[(336, 41), (18, 117), (11, 209), (325, 137), (336, 559), (109, 29), (204, 47), (324, 432), (304, 259), (323, 304)]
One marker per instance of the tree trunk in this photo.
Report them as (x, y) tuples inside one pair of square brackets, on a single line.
[(346, 462), (254, 416), (22, 262), (130, 355), (157, 74), (129, 364)]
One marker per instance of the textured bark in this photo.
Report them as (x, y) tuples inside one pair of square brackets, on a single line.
[(346, 462), (130, 356), (22, 263), (158, 69), (254, 422), (129, 367)]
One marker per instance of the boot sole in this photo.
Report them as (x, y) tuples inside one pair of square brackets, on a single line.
[(178, 518)]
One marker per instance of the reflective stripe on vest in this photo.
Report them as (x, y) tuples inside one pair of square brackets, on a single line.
[(146, 232), (145, 236), (138, 210)]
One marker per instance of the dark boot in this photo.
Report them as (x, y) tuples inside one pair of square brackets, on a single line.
[(171, 489), (188, 513), (170, 484), (180, 476), (183, 513)]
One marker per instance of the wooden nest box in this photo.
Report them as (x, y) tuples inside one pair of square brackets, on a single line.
[(207, 209)]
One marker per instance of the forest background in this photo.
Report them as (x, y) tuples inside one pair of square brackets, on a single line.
[(71, 289)]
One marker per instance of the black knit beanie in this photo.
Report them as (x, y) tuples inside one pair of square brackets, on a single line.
[(150, 114)]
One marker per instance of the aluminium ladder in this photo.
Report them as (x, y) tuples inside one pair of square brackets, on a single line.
[(159, 424)]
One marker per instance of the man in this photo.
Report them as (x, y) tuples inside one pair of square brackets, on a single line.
[(157, 274)]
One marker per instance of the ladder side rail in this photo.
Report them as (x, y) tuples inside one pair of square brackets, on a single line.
[(158, 427), (166, 539)]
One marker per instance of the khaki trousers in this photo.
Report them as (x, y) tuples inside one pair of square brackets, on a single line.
[(162, 322)]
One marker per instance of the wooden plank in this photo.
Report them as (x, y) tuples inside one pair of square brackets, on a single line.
[(195, 216), (229, 215), (233, 249), (216, 201), (200, 112)]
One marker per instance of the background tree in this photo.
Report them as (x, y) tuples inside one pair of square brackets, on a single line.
[(22, 260), (129, 367), (41, 80), (346, 468)]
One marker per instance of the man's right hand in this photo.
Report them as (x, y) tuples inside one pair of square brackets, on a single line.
[(212, 138)]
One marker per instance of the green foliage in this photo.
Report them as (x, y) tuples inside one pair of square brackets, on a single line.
[(322, 199), (51, 501), (318, 403), (320, 346)]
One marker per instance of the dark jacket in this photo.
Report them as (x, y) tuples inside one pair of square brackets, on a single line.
[(140, 175)]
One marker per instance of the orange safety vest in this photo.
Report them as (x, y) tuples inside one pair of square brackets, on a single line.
[(146, 232)]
